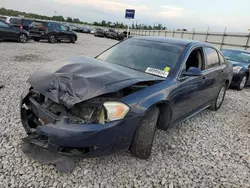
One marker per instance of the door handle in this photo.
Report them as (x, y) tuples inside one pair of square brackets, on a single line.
[(204, 77), (222, 70)]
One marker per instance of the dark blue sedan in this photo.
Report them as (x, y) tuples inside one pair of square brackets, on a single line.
[(240, 60), (84, 106)]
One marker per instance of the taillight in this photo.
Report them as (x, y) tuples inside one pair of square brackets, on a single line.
[(21, 26), (42, 27)]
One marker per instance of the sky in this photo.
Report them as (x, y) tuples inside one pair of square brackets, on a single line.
[(173, 14)]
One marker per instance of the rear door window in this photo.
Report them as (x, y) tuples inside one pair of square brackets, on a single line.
[(212, 57), (54, 26)]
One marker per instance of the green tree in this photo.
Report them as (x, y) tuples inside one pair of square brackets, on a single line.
[(76, 20), (103, 23), (58, 18), (69, 19)]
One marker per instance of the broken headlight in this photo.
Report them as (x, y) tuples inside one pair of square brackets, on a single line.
[(113, 111)]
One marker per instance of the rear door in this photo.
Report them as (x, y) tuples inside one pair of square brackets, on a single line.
[(213, 73), (55, 29)]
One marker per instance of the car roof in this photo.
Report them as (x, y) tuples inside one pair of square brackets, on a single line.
[(236, 50), (177, 41)]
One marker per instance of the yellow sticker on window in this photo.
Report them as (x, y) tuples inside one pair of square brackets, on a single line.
[(167, 69)]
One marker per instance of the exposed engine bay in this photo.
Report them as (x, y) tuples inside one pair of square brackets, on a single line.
[(91, 111)]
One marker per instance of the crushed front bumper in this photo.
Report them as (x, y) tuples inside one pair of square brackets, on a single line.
[(75, 139)]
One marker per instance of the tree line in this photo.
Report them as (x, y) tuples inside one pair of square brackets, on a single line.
[(60, 18)]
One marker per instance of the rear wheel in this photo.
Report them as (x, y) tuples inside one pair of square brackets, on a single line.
[(242, 83), (52, 39), (219, 99), (143, 139), (23, 38)]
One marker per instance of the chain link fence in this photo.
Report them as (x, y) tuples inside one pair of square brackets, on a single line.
[(219, 40)]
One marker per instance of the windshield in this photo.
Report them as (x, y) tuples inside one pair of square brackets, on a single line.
[(142, 54), (239, 56)]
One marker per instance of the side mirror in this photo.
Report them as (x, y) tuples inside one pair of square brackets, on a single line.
[(192, 71)]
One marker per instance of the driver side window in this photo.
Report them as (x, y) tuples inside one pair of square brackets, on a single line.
[(195, 59)]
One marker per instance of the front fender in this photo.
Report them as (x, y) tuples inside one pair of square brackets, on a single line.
[(143, 100)]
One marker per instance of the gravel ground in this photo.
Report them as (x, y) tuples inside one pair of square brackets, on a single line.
[(209, 150)]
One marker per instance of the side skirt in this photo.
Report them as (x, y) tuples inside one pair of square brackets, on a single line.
[(191, 115)]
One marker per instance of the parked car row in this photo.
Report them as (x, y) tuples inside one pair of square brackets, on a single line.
[(22, 30), (109, 33)]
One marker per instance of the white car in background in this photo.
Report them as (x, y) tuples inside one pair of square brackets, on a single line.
[(92, 31), (5, 18)]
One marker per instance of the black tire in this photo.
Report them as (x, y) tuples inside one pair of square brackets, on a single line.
[(52, 38), (221, 95), (143, 138), (242, 82), (59, 40), (22, 38), (73, 39), (36, 39)]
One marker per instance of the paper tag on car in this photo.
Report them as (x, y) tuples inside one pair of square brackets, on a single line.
[(157, 72)]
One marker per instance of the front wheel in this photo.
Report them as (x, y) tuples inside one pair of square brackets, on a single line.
[(143, 138), (219, 99), (52, 39), (23, 38), (242, 83)]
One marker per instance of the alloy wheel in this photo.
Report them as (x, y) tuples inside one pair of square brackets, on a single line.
[(243, 82), (52, 38), (23, 38)]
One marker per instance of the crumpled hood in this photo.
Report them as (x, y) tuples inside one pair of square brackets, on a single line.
[(76, 79)]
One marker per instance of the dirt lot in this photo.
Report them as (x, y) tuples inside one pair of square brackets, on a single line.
[(210, 150)]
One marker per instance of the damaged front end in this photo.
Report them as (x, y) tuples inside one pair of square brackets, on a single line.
[(93, 127)]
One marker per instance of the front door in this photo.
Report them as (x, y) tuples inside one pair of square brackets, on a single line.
[(188, 97), (64, 33)]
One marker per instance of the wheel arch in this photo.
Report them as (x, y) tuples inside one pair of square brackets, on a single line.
[(165, 115)]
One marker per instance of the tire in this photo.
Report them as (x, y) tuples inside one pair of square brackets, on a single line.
[(59, 40), (143, 138), (52, 39), (36, 39), (219, 99), (73, 39), (22, 38), (242, 83)]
